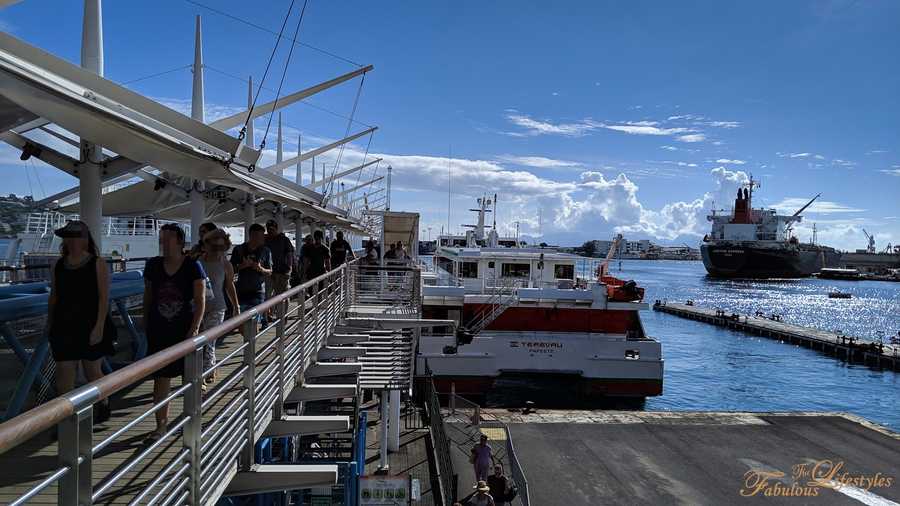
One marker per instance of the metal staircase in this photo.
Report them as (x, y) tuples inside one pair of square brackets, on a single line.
[(503, 296)]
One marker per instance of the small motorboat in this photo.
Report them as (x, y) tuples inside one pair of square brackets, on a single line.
[(837, 294)]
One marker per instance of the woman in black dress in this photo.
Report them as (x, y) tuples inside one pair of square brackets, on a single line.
[(80, 327)]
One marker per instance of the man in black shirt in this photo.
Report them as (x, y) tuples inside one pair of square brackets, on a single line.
[(282, 259), (316, 259), (499, 485), (340, 250), (253, 262)]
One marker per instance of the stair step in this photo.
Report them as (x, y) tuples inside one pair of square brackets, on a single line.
[(323, 369), (307, 425), (263, 478), (332, 352), (323, 392), (337, 339)]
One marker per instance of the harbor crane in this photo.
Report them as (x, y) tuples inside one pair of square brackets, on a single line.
[(604, 267), (870, 248)]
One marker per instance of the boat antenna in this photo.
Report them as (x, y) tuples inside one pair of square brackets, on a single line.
[(449, 162), (495, 213)]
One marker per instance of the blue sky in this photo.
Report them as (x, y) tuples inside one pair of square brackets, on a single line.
[(596, 116)]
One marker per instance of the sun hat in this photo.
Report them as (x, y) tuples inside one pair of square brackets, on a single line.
[(73, 230), (482, 486)]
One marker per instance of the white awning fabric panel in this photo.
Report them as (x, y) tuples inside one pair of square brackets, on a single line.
[(138, 199), (115, 117), (36, 83)]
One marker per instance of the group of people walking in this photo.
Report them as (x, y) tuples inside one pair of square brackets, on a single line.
[(491, 488), (185, 293)]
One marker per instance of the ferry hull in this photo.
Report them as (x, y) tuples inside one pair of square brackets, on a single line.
[(560, 388), (740, 261), (567, 367)]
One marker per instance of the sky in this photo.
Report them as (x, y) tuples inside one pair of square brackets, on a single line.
[(586, 119)]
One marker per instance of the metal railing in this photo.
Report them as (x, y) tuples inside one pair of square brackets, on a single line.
[(43, 223), (442, 475), (515, 468), (39, 268), (215, 433), (398, 286), (502, 296), (478, 420)]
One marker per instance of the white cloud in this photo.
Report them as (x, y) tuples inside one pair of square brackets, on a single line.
[(537, 161), (893, 172), (692, 138), (876, 151), (669, 148), (729, 161), (724, 124), (536, 127), (643, 129), (801, 155), (792, 204), (680, 164), (212, 112), (691, 117), (843, 163)]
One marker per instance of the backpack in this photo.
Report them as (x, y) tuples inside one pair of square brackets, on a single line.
[(513, 492)]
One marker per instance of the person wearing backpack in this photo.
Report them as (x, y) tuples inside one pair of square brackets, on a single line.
[(499, 485)]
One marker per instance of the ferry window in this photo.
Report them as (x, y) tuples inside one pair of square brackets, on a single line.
[(445, 264), (564, 271), (516, 270), (468, 270)]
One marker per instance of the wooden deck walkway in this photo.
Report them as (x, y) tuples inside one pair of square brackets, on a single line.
[(412, 459), (30, 463), (886, 356)]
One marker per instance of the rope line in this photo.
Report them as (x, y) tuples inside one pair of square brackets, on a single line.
[(258, 27), (346, 134), (266, 73), (287, 63), (304, 102), (151, 76)]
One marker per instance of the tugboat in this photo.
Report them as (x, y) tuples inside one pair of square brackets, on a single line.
[(757, 243), (532, 326)]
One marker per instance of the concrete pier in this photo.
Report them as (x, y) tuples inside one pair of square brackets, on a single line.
[(850, 348), (638, 457)]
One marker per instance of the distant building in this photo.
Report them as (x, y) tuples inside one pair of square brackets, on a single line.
[(644, 249)]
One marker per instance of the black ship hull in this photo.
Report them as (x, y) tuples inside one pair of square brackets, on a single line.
[(739, 260)]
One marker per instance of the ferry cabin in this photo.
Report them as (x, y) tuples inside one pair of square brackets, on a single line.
[(477, 268)]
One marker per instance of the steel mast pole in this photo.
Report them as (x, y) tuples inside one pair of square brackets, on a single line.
[(249, 204), (198, 207), (89, 174)]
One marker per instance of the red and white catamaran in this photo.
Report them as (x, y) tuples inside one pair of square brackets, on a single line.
[(531, 318)]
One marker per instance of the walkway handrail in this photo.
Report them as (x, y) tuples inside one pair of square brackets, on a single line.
[(40, 418), (515, 468)]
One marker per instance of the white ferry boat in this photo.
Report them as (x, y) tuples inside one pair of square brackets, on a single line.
[(531, 318), (123, 237)]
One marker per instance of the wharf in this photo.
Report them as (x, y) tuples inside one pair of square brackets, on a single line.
[(886, 356), (637, 457)]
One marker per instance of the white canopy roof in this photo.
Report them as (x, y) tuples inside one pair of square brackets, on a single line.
[(36, 84)]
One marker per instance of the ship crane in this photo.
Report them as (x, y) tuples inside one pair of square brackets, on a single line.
[(604, 267), (870, 248), (796, 216)]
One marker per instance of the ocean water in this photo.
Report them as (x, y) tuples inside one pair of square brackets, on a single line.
[(709, 368)]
